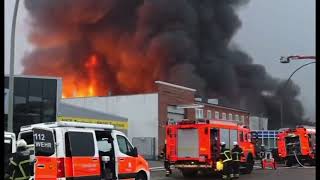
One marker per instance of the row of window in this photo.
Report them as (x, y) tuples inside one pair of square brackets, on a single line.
[(74, 147), (218, 115)]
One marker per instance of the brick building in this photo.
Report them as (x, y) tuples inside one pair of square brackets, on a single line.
[(148, 113)]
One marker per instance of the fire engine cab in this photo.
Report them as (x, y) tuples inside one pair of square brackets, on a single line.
[(193, 146), (297, 145), (64, 150)]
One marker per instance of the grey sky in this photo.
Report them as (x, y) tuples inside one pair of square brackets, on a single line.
[(271, 28)]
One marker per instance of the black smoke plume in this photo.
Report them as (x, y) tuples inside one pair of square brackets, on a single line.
[(188, 42)]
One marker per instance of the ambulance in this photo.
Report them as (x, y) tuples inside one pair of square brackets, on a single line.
[(73, 150), (297, 144), (193, 146)]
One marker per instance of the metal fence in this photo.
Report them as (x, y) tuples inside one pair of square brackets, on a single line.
[(146, 146)]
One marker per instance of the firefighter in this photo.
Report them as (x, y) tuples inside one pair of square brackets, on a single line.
[(20, 164), (262, 153), (225, 155), (166, 162), (237, 153)]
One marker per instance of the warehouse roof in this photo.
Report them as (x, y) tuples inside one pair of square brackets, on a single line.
[(74, 111)]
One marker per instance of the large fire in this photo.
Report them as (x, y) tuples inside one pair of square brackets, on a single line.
[(76, 88), (129, 80)]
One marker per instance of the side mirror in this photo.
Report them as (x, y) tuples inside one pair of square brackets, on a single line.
[(105, 159), (135, 152)]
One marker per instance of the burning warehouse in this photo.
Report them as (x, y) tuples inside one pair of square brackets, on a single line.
[(121, 46), (149, 113)]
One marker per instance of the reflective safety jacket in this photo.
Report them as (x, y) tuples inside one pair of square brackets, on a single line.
[(225, 155), (237, 152), (20, 165)]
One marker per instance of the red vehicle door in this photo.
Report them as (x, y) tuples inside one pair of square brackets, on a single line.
[(82, 158), (45, 166)]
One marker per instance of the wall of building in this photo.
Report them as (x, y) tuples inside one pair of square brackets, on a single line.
[(141, 111), (217, 112), (172, 96), (258, 123)]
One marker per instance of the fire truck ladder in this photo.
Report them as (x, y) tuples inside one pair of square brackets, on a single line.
[(295, 57)]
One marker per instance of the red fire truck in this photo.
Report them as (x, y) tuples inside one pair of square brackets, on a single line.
[(297, 145), (194, 146)]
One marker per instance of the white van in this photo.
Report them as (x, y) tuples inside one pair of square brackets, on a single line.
[(65, 150)]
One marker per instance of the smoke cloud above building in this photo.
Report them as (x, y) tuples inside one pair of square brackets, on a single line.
[(123, 46)]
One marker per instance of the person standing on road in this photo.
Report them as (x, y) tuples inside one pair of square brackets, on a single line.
[(166, 162), (20, 165), (237, 153), (262, 153), (225, 155)]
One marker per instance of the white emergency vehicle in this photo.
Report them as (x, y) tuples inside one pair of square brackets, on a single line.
[(72, 150)]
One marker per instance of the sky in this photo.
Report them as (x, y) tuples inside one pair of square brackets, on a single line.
[(270, 29)]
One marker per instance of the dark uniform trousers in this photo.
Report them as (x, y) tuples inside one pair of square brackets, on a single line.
[(236, 156), (166, 162), (227, 163)]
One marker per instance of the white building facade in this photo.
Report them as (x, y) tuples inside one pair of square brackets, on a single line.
[(141, 111)]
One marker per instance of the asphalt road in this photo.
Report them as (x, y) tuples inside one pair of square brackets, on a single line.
[(282, 173)]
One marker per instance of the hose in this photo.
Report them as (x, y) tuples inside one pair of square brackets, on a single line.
[(295, 155)]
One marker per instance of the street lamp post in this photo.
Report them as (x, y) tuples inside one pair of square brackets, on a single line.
[(11, 78), (284, 86)]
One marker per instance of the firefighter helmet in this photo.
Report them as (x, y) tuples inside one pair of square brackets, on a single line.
[(223, 143), (21, 143), (235, 143)]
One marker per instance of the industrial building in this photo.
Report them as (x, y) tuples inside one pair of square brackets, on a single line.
[(72, 113), (149, 113), (35, 100)]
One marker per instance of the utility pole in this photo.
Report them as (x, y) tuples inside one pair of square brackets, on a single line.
[(11, 78), (285, 85)]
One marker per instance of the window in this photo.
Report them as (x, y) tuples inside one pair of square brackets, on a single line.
[(199, 113), (230, 116), (233, 136), (104, 145), (43, 142), (216, 115), (28, 137), (224, 137), (124, 145), (20, 96), (49, 98), (241, 136), (79, 144), (224, 116), (242, 118), (209, 115), (236, 117)]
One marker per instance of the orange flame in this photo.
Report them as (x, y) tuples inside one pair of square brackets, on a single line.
[(73, 87)]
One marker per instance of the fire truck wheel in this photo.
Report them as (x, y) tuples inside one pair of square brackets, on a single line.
[(248, 165), (141, 176), (189, 172)]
